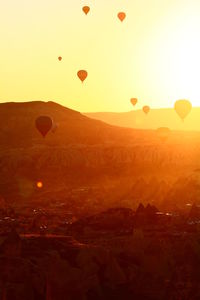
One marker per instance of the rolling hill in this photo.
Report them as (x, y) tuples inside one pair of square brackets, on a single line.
[(82, 151), (17, 126), (155, 119)]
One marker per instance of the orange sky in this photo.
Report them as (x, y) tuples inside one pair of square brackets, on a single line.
[(153, 55)]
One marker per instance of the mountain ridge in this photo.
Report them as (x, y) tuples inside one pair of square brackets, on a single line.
[(81, 150), (157, 117), (17, 123)]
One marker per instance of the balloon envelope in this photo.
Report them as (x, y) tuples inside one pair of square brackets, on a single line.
[(134, 101), (43, 124), (82, 75), (59, 58), (163, 133), (121, 16), (146, 109), (86, 9), (183, 108)]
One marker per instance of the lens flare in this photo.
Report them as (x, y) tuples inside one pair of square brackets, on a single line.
[(39, 184)]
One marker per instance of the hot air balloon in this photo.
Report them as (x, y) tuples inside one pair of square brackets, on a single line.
[(86, 9), (183, 108), (163, 133), (121, 16), (146, 109), (82, 75), (134, 101), (59, 58), (43, 124)]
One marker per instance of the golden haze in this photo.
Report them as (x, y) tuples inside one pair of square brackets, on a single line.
[(153, 55)]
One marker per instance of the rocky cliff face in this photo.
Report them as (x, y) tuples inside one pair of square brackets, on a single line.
[(57, 268), (65, 158)]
